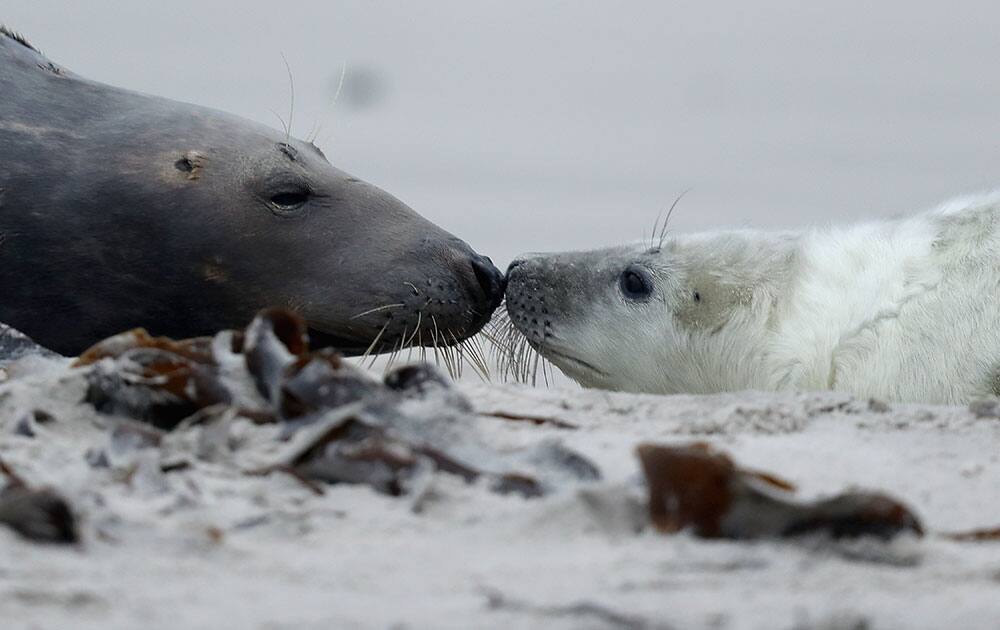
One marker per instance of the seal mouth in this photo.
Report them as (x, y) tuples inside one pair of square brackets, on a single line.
[(567, 362), (358, 345), (346, 345)]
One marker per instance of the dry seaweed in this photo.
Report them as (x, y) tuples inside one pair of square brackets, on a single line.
[(350, 450), (40, 515), (413, 422), (321, 380), (162, 381), (697, 488), (536, 420), (989, 534), (272, 341), (155, 385), (198, 349)]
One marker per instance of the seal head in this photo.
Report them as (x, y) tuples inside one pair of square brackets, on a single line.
[(660, 319), (119, 209)]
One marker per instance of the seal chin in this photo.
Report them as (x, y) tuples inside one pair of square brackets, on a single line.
[(577, 369)]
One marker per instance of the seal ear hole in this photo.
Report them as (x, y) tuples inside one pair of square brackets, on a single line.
[(697, 296)]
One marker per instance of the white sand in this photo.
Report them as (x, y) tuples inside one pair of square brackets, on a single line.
[(210, 547)]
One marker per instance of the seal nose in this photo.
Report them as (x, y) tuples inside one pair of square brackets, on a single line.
[(490, 279), (521, 260), (513, 277)]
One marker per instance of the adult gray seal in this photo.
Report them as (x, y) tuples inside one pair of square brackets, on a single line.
[(900, 310), (119, 209)]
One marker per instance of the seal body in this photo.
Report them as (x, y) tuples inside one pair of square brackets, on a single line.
[(119, 209), (901, 310)]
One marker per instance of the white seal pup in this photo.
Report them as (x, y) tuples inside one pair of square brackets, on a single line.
[(904, 309)]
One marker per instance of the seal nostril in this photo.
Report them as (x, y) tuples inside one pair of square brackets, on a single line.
[(490, 279)]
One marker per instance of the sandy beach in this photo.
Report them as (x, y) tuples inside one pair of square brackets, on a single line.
[(208, 546)]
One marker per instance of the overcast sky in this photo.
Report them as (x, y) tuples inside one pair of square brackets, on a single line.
[(557, 125)]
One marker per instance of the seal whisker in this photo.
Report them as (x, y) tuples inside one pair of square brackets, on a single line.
[(521, 361), (494, 353), (409, 342), (670, 212), (291, 104), (478, 360), (540, 356), (472, 349), (374, 342), (444, 348), (333, 105), (656, 225), (420, 344), (466, 356), (483, 357), (456, 353), (484, 350), (312, 131), (450, 356), (452, 366), (512, 340), (459, 350), (515, 364), (435, 335), (499, 337), (374, 358), (460, 347), (491, 338), (531, 362), (534, 371), (434, 342), (529, 355), (514, 368), (397, 348), (377, 309), (284, 126), (506, 346)]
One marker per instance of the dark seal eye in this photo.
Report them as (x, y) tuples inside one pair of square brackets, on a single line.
[(636, 283), (291, 200)]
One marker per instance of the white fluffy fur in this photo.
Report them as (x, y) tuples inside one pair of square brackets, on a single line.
[(901, 310)]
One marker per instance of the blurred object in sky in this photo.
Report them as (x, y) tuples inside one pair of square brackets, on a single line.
[(365, 87)]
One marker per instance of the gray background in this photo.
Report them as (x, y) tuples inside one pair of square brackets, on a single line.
[(558, 125)]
